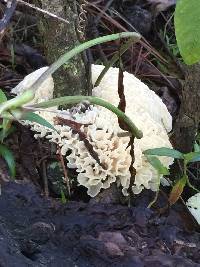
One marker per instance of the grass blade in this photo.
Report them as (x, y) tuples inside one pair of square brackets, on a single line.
[(7, 155), (33, 117), (164, 151)]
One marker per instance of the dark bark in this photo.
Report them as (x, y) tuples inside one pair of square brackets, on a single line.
[(59, 37), (186, 125)]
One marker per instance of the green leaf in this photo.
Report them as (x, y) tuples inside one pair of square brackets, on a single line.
[(157, 164), (192, 157), (196, 147), (195, 159), (3, 97), (33, 117), (187, 28), (63, 197), (164, 151), (9, 158), (4, 133), (177, 190)]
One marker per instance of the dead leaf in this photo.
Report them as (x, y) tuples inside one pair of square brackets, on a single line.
[(177, 190)]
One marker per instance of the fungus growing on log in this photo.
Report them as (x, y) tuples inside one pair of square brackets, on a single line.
[(110, 159)]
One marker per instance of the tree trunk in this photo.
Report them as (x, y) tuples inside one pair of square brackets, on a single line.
[(186, 126), (59, 37), (72, 78)]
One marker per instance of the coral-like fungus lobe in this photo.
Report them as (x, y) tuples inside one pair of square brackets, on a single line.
[(89, 139)]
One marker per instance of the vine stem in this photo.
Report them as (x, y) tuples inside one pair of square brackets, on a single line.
[(17, 101), (92, 100), (80, 48), (27, 96)]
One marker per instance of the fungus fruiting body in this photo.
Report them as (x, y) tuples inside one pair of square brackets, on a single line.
[(43, 93), (193, 205), (101, 129)]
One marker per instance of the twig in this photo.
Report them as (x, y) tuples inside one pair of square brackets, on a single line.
[(172, 56), (143, 41), (43, 11), (132, 170), (76, 128), (66, 178), (10, 9), (96, 33), (44, 174), (154, 200)]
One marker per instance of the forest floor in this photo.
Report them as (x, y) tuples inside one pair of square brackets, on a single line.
[(36, 230)]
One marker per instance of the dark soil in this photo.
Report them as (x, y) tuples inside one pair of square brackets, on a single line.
[(35, 231)]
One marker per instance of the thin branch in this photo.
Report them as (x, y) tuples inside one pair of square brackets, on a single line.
[(66, 178), (10, 9), (43, 11)]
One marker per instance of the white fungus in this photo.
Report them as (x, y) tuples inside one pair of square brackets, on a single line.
[(143, 106), (41, 94), (193, 205)]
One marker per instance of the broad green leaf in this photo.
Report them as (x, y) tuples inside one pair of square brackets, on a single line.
[(9, 158), (187, 28), (157, 164), (164, 151), (31, 116), (3, 97), (177, 190)]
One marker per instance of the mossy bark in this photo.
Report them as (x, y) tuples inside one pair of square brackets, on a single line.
[(73, 78), (186, 125), (59, 37)]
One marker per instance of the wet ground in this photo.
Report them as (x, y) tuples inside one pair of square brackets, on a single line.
[(35, 231)]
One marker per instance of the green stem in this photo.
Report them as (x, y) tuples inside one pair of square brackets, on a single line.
[(186, 176), (93, 100), (67, 56), (29, 94), (114, 59), (18, 101), (15, 114)]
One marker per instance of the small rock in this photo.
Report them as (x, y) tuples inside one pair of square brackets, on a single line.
[(113, 237), (113, 249)]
